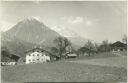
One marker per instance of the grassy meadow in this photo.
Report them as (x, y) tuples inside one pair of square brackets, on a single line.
[(103, 68)]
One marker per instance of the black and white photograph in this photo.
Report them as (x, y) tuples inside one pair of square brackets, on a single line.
[(63, 41)]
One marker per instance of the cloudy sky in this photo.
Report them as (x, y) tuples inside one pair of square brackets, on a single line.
[(92, 20)]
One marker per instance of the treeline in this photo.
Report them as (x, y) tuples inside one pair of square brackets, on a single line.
[(92, 48), (6, 55), (62, 47)]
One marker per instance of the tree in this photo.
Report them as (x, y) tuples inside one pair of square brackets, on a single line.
[(90, 46), (105, 46), (54, 51), (83, 50), (125, 39), (96, 46), (5, 52), (61, 43)]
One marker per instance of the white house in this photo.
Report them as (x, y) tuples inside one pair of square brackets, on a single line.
[(37, 55)]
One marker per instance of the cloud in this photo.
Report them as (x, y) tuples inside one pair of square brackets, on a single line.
[(89, 23), (73, 20), (82, 20)]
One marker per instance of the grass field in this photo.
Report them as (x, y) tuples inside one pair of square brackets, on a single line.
[(112, 69), (111, 61)]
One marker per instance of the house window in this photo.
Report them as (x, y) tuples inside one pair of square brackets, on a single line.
[(38, 51), (29, 60), (38, 59)]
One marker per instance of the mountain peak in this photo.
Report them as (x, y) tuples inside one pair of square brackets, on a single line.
[(30, 19), (33, 31)]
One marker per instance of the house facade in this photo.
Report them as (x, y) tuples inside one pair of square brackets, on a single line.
[(37, 55), (118, 46)]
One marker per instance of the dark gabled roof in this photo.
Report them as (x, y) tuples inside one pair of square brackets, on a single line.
[(42, 50), (31, 50), (14, 55), (118, 44)]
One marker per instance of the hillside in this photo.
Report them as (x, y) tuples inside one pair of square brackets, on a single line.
[(15, 45)]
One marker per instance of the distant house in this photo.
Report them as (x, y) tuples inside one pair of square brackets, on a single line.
[(118, 46), (70, 53), (15, 57), (73, 55)]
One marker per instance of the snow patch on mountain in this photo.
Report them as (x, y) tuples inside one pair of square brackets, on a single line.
[(64, 31)]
